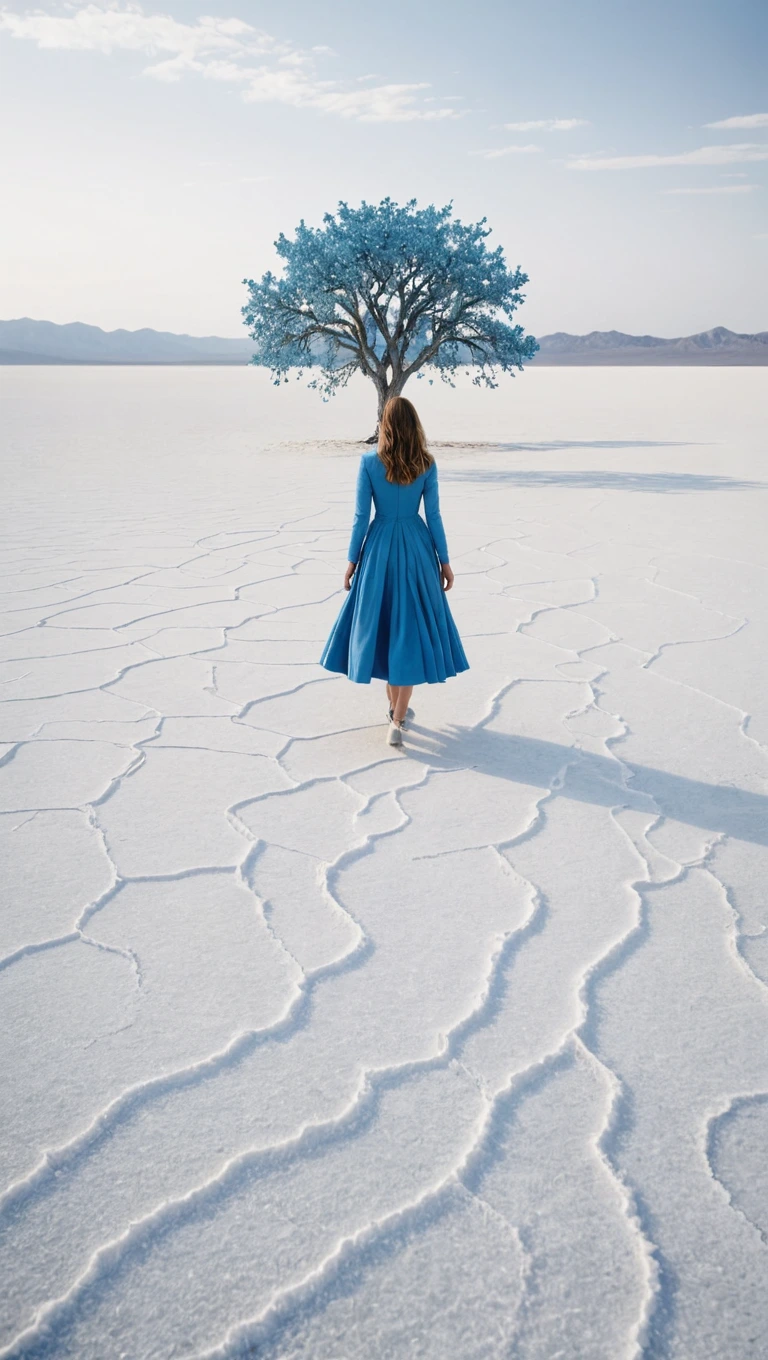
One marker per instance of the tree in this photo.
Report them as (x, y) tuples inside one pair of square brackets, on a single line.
[(390, 292)]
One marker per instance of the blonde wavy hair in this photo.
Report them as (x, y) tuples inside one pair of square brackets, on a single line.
[(402, 442)]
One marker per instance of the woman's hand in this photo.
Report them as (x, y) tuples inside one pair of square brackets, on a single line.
[(348, 574), (447, 575)]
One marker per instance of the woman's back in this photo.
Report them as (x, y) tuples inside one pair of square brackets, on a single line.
[(393, 500)]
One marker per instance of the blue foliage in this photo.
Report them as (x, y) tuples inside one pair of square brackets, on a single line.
[(388, 291)]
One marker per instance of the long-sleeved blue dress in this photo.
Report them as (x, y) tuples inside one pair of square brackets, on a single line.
[(395, 623)]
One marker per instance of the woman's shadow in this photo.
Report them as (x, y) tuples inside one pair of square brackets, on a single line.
[(603, 780)]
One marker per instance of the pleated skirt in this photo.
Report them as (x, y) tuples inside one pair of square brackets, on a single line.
[(395, 623)]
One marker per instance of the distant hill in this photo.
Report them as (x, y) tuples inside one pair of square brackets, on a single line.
[(718, 346), (43, 342)]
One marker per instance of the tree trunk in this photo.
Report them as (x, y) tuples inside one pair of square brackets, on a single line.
[(385, 391)]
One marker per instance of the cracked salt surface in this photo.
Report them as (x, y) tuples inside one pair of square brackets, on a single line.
[(314, 1049)]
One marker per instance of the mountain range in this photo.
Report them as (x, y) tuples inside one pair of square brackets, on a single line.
[(25, 341), (718, 346), (44, 342)]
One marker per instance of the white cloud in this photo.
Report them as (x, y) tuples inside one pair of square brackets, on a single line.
[(748, 120), (301, 88), (103, 28), (547, 125), (717, 189), (223, 50), (705, 155), (493, 153)]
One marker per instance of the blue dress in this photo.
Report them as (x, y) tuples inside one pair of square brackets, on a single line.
[(395, 623)]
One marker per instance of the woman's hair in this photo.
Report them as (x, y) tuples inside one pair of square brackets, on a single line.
[(402, 442)]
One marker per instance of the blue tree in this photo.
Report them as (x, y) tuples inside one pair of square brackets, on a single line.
[(390, 292)]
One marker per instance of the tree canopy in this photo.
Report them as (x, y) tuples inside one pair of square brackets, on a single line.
[(391, 292)]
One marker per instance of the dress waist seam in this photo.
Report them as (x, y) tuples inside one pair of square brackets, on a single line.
[(393, 519)]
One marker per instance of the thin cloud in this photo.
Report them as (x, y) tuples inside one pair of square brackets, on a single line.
[(717, 189), (547, 125), (101, 28), (747, 120), (493, 153), (266, 69), (704, 155)]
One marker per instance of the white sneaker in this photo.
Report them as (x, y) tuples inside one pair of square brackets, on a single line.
[(395, 734)]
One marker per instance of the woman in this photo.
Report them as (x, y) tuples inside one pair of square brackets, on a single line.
[(395, 623)]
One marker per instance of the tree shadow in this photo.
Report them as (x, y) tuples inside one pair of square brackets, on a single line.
[(555, 445), (597, 779), (604, 479)]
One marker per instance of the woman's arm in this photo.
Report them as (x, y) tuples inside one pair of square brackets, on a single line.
[(432, 512), (363, 497)]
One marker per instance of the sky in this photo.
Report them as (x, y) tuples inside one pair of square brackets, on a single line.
[(152, 153)]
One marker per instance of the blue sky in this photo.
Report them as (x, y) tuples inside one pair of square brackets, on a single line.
[(619, 151)]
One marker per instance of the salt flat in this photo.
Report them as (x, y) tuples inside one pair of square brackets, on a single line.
[(316, 1048)]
